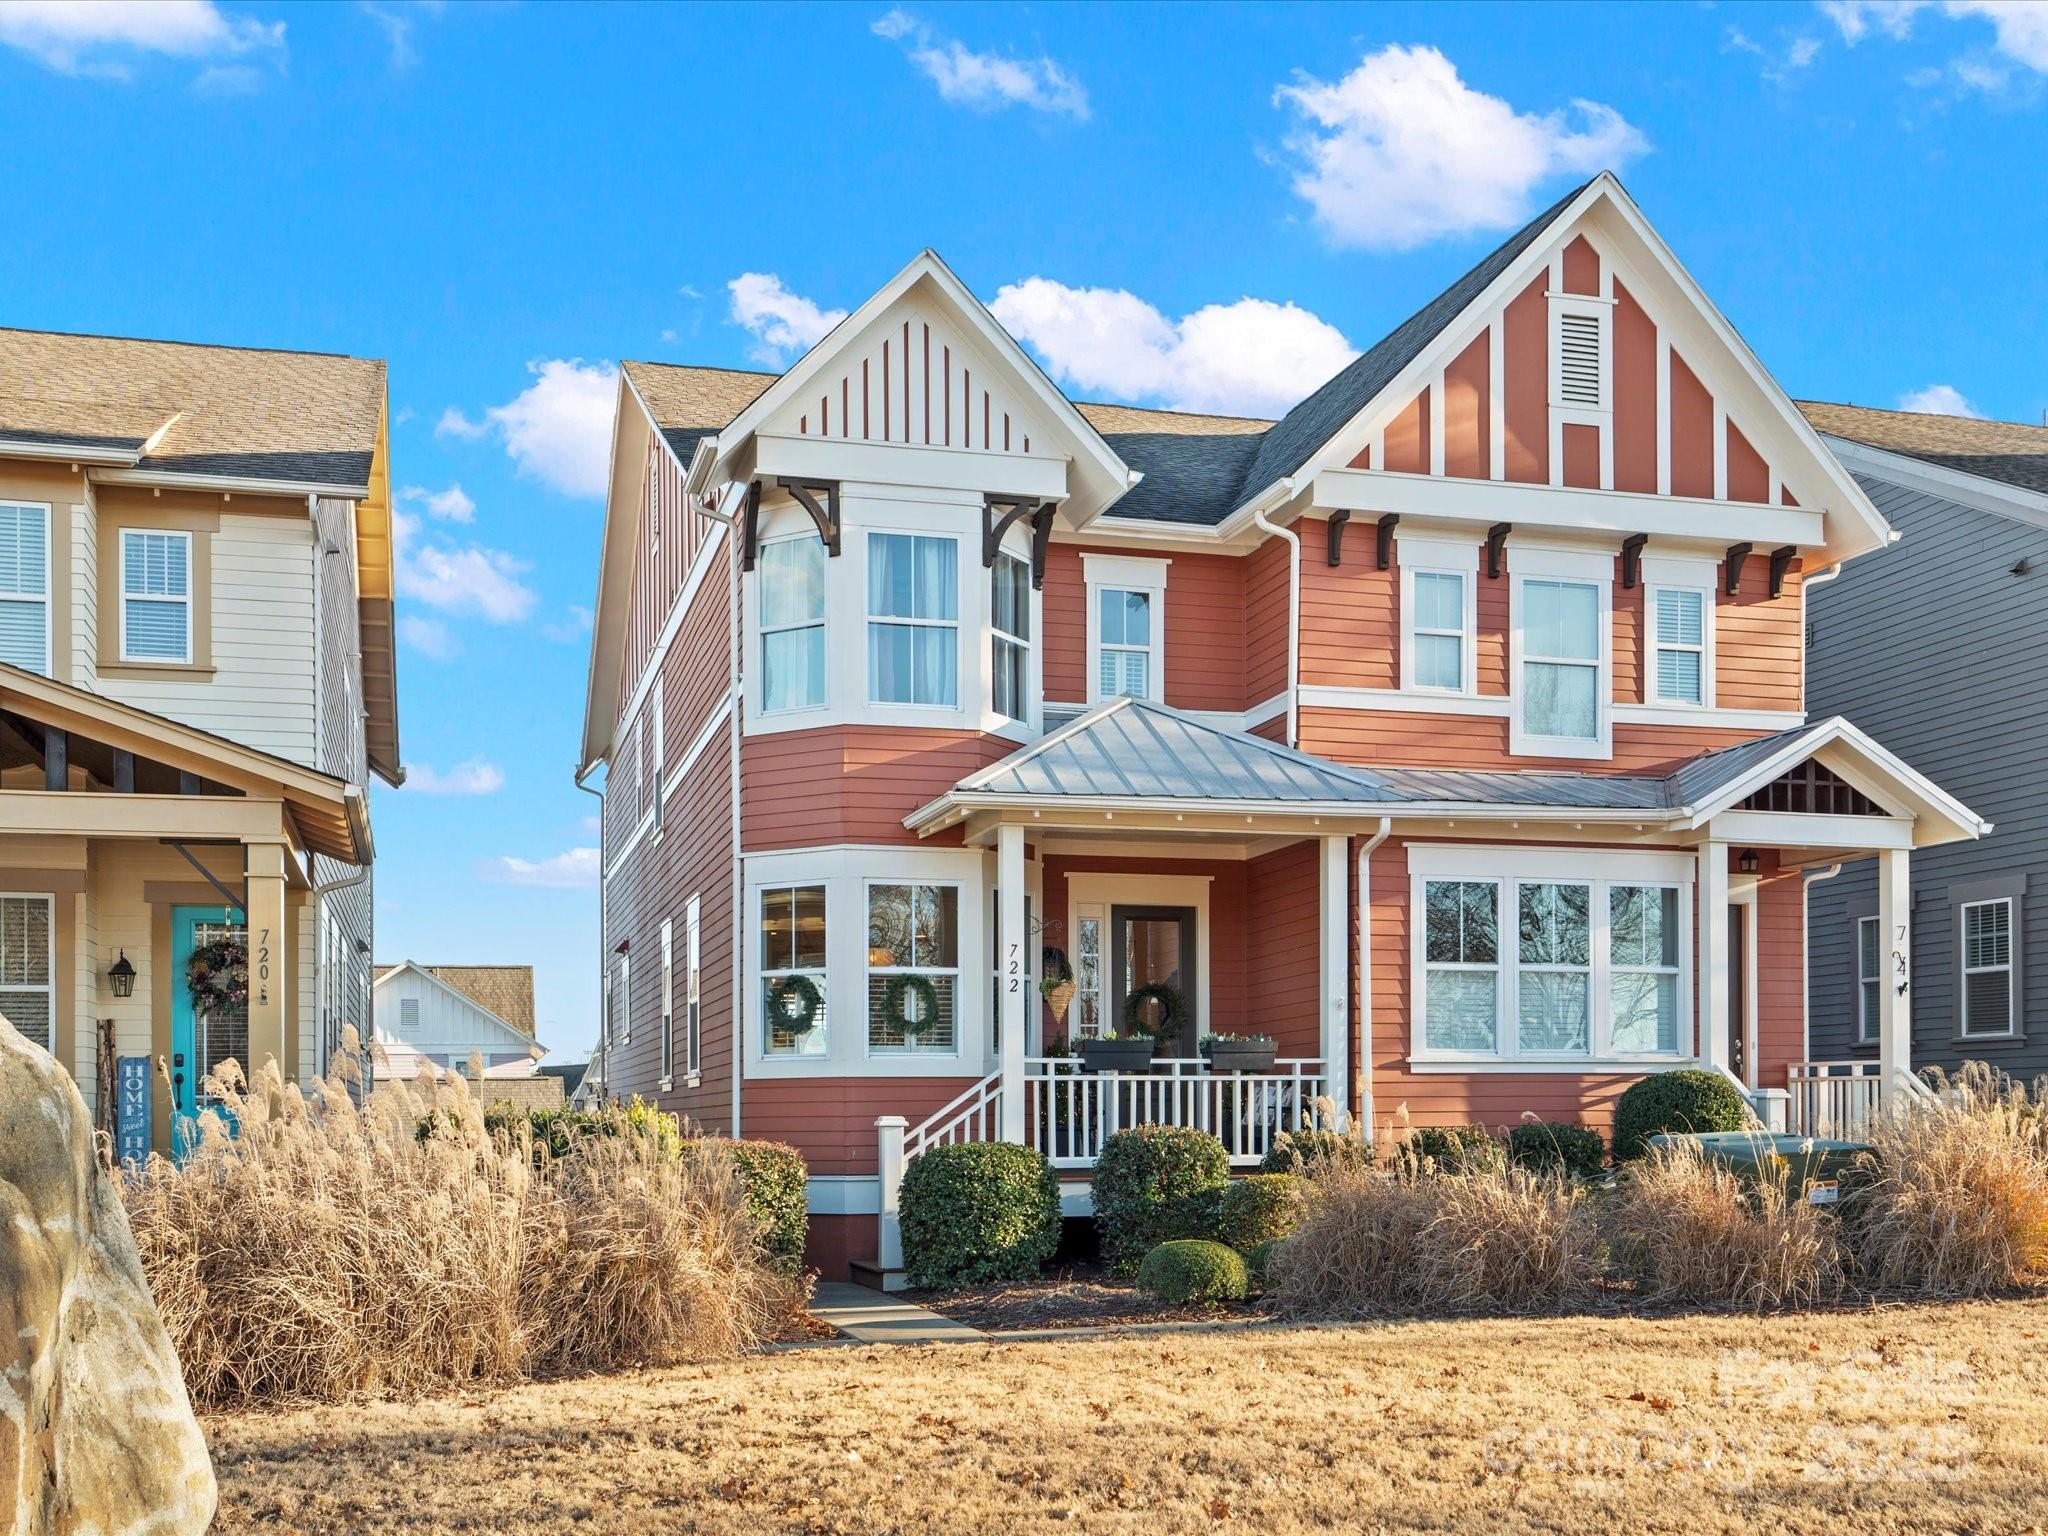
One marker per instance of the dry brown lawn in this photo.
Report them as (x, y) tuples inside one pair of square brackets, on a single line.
[(1900, 1419)]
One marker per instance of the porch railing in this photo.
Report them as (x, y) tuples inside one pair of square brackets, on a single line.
[(1069, 1113), (1836, 1099)]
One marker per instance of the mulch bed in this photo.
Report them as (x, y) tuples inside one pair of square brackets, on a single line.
[(1080, 1296)]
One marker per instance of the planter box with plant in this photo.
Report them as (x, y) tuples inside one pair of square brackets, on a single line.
[(1117, 1053), (1240, 1053)]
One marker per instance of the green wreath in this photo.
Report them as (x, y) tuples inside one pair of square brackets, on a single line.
[(1173, 1011), (897, 993), (793, 1004), (217, 976)]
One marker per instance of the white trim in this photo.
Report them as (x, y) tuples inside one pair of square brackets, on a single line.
[(1471, 861), (48, 598), (1435, 555), (1975, 491), (246, 485), (1536, 563), (2010, 970), (1743, 895), (1127, 573), (668, 1004), (1650, 658), (186, 600), (693, 989), (1761, 720), (1401, 700), (1086, 888)]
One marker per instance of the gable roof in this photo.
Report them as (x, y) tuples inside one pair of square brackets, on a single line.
[(182, 408), (505, 992), (1297, 435), (2010, 452)]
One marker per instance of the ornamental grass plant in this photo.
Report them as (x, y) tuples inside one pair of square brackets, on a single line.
[(328, 1250)]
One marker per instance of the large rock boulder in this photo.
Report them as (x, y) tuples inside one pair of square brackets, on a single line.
[(97, 1436)]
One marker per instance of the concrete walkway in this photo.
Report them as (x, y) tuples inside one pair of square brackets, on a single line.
[(875, 1317)]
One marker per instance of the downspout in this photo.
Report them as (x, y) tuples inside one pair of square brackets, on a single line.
[(1808, 881), (1260, 521), (735, 1010), (1362, 1078), (1817, 579), (602, 965)]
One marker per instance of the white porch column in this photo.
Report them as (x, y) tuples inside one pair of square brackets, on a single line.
[(1335, 950), (1013, 977), (1713, 955), (1894, 969)]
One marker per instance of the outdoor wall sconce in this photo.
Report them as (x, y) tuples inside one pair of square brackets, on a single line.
[(121, 976), (1748, 862)]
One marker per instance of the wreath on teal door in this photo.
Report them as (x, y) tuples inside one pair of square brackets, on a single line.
[(897, 1003), (1173, 1011), (217, 976), (793, 1004)]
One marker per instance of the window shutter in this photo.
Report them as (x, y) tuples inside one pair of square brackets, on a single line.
[(1579, 361)]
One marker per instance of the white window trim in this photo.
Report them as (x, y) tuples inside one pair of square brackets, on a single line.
[(1102, 894), (49, 988), (823, 623), (124, 595), (49, 640), (668, 1004), (1509, 868), (1439, 557), (845, 873), (1964, 971), (1694, 573), (1026, 643), (958, 970), (693, 991), (1866, 1028), (1126, 573), (625, 1000), (1582, 567), (957, 624), (759, 972)]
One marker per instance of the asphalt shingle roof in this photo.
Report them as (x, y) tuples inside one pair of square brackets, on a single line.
[(305, 417), (2007, 451), (503, 990)]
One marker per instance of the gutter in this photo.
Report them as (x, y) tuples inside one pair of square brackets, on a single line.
[(1293, 539), (98, 455), (170, 479)]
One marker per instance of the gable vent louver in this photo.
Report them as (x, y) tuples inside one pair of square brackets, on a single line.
[(1579, 361)]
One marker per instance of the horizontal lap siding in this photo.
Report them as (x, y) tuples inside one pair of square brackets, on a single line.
[(1205, 627), (1780, 974), (1064, 609), (1350, 614), (1759, 641), (852, 784), (831, 1120), (1392, 738), (1285, 951), (1266, 628)]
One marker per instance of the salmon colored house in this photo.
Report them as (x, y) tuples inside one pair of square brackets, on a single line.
[(1448, 731)]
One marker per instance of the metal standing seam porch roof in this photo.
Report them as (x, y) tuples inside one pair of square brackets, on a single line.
[(1133, 750)]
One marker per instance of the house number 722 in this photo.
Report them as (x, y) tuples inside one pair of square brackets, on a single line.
[(1014, 969)]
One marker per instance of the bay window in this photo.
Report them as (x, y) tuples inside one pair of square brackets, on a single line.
[(25, 586), (793, 982), (1010, 638), (913, 619), (1595, 969), (791, 582), (913, 967)]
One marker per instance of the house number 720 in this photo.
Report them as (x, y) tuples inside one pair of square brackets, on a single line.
[(263, 965)]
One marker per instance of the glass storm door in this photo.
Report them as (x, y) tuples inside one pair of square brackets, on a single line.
[(1155, 947)]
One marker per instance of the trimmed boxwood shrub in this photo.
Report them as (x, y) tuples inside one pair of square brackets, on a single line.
[(1153, 1184), (1453, 1148), (1257, 1209), (1310, 1151), (1579, 1150), (1191, 1270), (977, 1212), (1688, 1100), (773, 1178)]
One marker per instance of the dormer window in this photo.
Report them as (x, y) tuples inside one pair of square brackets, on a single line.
[(913, 620)]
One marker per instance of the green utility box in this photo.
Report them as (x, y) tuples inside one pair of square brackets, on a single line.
[(1814, 1165)]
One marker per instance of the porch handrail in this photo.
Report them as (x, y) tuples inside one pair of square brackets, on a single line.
[(974, 1109), (1749, 1099)]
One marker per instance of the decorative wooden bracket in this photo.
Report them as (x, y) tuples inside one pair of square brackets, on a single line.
[(1496, 544), (1041, 540), (750, 526), (1781, 561), (993, 528), (1731, 580), (1337, 521), (826, 517), (1632, 559), (1385, 549)]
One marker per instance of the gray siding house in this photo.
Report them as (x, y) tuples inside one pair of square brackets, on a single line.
[(1939, 647)]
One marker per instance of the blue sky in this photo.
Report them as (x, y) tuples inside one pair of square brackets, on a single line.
[(1206, 207)]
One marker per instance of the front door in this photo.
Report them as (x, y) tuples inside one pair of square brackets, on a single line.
[(1738, 990), (1154, 947), (200, 1042)]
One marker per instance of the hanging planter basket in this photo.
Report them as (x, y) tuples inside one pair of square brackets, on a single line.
[(217, 976)]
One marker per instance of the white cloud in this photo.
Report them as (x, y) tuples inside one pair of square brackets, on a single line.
[(1857, 19), (782, 323), (452, 505), (2019, 29), (986, 82), (1401, 151), (397, 29), (571, 629), (575, 870), (430, 637), (558, 429), (1778, 67), (459, 578), (475, 777), (1252, 357), (1939, 400), (104, 38)]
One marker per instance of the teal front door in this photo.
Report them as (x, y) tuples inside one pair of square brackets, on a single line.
[(200, 1042)]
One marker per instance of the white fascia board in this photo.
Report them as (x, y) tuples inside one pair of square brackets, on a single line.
[(614, 576), (1786, 829), (977, 470), (927, 818), (69, 453), (1621, 513), (1957, 485), (245, 484)]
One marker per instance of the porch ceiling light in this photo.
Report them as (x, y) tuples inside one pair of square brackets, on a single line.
[(1748, 862), (121, 976)]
